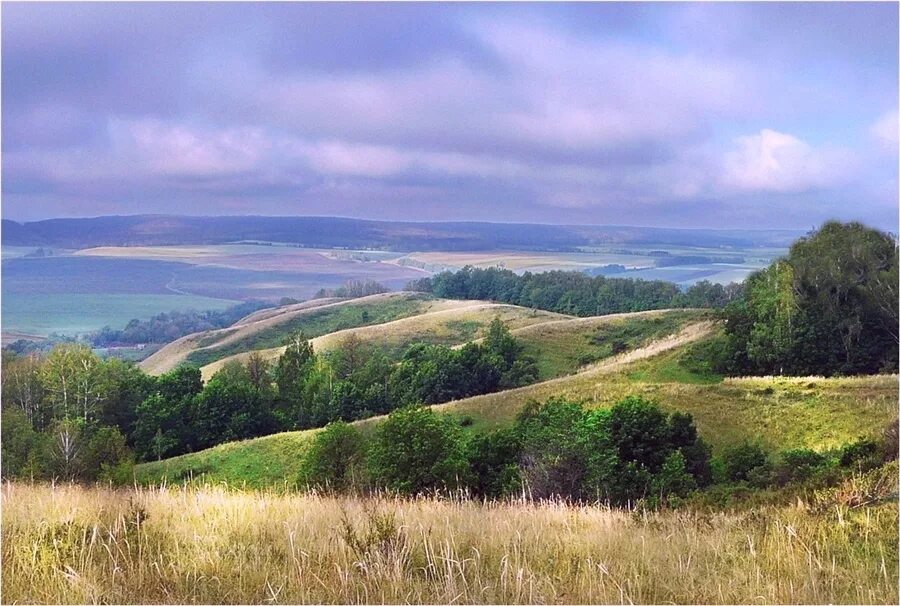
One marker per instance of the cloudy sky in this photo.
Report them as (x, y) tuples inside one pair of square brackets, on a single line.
[(729, 115)]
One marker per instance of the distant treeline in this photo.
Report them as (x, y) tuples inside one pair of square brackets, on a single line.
[(572, 292), (353, 289)]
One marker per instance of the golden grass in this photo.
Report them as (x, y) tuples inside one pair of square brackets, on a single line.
[(70, 544)]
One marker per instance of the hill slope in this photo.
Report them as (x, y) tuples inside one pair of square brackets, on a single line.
[(450, 323), (269, 327), (780, 412)]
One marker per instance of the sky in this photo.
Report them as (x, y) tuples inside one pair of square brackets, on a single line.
[(678, 115)]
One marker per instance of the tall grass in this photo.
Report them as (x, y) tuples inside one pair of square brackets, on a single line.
[(66, 543)]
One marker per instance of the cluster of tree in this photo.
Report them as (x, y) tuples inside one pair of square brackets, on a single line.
[(573, 292), (166, 327), (558, 449), (74, 391), (353, 289), (68, 415), (830, 307), (632, 452), (357, 381)]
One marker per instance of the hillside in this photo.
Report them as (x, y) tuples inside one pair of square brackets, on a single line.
[(450, 323), (816, 412), (269, 327)]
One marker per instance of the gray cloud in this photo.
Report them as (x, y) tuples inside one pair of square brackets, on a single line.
[(682, 114)]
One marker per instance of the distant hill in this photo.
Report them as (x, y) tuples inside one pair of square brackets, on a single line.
[(330, 232)]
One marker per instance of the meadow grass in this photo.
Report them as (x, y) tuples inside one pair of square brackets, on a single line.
[(561, 348), (74, 544)]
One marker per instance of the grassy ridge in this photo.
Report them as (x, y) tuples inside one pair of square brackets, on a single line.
[(72, 544), (317, 323), (561, 348), (451, 323)]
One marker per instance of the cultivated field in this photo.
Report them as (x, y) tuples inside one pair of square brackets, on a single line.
[(69, 544)]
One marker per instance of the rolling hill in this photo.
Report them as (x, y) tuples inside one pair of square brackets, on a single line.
[(820, 413)]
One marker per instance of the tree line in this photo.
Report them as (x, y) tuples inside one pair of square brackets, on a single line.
[(65, 404), (632, 452), (573, 292)]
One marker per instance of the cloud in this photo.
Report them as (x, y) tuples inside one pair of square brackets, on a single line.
[(886, 131), (502, 112), (771, 161)]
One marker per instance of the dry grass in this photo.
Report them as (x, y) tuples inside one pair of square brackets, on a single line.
[(69, 544)]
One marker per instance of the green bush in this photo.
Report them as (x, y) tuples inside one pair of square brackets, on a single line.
[(747, 462), (798, 465), (862, 454), (334, 458), (415, 450), (494, 463)]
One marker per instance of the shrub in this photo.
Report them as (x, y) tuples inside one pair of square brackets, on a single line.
[(798, 465), (493, 463), (746, 462), (557, 444), (416, 450), (334, 457), (673, 478), (862, 454)]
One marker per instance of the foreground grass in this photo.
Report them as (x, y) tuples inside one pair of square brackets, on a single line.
[(70, 544)]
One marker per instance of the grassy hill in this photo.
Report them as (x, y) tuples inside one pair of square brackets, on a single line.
[(268, 328), (446, 322), (820, 413)]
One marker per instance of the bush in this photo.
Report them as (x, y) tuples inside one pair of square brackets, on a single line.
[(415, 450), (563, 454), (746, 462), (862, 454), (334, 458), (493, 463), (798, 465)]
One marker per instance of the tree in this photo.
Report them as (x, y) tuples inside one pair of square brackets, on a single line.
[(22, 388), (290, 376), (415, 450), (74, 381), (334, 458)]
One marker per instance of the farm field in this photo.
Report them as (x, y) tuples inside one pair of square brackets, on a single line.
[(210, 545), (80, 313), (188, 276)]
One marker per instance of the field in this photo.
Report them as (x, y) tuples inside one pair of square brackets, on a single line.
[(69, 544), (199, 277), (271, 271), (81, 313)]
